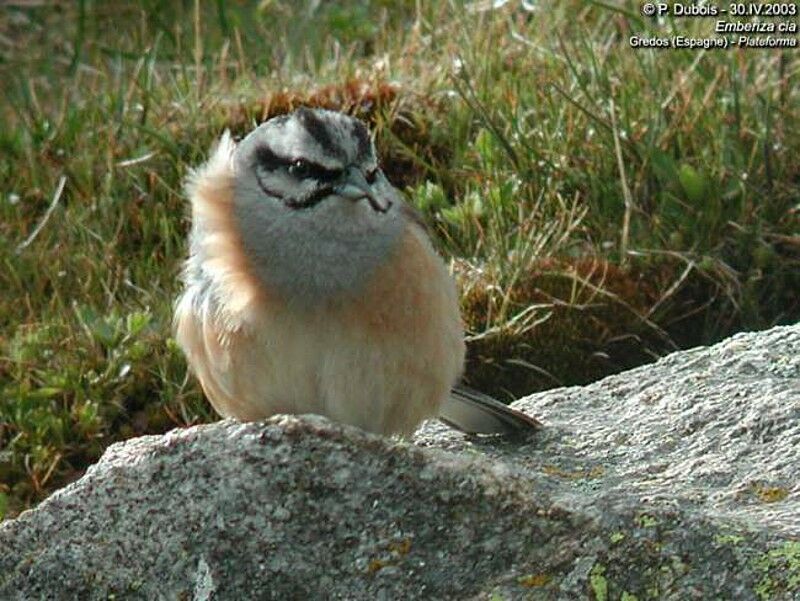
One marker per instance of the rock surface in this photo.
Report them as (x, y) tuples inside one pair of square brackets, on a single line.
[(678, 480)]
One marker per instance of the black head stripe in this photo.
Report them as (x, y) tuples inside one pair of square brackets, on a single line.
[(362, 137), (268, 159), (317, 129)]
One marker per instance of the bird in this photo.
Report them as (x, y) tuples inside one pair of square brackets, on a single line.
[(312, 286)]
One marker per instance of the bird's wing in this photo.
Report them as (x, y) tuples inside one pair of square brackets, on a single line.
[(476, 413)]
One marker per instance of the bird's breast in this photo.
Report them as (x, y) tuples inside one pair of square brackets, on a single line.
[(308, 263), (383, 360)]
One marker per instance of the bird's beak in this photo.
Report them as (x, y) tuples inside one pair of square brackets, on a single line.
[(355, 187)]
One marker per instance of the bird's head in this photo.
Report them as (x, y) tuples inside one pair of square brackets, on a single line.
[(314, 212), (315, 162)]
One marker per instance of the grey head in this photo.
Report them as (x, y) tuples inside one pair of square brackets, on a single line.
[(316, 214)]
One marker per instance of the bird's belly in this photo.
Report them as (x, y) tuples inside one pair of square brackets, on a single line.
[(313, 365), (382, 360)]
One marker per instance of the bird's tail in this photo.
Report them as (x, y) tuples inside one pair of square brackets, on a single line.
[(476, 413)]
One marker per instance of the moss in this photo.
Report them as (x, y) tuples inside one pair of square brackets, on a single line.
[(728, 539), (646, 521), (617, 537), (534, 580), (780, 571), (598, 583)]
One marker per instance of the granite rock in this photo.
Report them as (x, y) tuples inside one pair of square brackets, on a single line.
[(677, 480)]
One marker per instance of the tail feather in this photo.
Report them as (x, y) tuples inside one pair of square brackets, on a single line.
[(476, 413)]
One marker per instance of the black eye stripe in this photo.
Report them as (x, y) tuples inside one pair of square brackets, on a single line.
[(318, 172), (270, 161)]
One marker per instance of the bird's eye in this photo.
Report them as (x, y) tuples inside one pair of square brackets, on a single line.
[(300, 168), (372, 176)]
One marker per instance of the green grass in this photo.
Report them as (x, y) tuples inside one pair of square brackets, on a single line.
[(601, 205)]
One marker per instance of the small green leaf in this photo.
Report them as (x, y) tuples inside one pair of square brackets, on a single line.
[(485, 147), (136, 322), (693, 183), (430, 197), (45, 392)]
